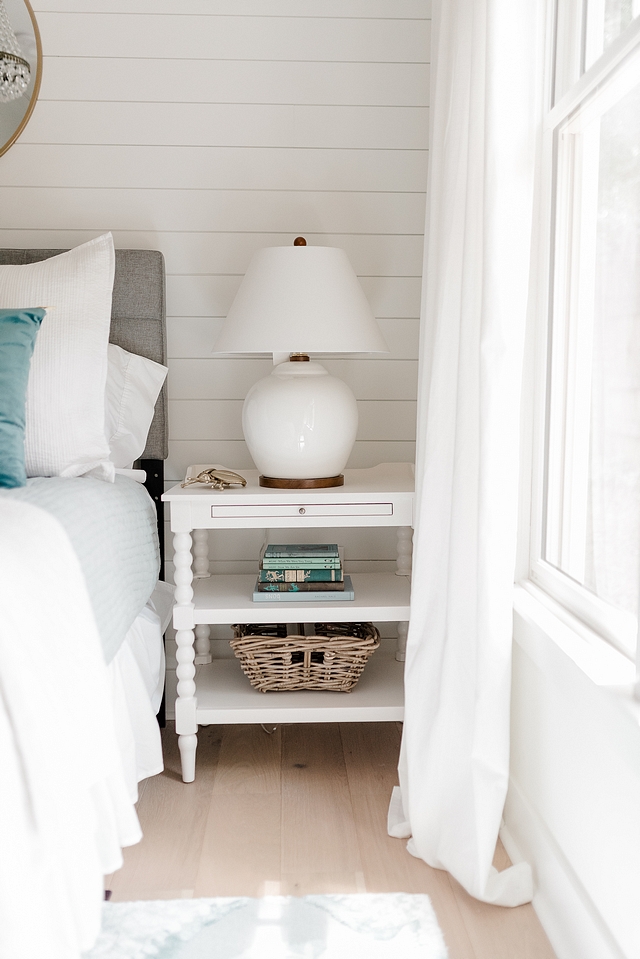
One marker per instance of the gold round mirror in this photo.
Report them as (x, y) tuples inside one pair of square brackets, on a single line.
[(20, 68)]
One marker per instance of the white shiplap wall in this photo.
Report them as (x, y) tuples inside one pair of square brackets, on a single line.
[(210, 128)]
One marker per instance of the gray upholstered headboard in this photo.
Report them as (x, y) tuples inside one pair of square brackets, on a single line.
[(138, 319)]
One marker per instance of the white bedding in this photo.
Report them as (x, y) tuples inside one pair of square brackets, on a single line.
[(81, 658), (65, 806)]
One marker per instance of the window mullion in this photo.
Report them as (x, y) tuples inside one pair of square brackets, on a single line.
[(580, 352), (594, 31), (556, 435)]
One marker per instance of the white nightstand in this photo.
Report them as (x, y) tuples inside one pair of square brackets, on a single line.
[(218, 691)]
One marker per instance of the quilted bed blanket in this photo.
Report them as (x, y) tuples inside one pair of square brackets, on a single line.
[(112, 528)]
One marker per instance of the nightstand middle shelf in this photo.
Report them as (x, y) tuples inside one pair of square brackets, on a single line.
[(223, 599)]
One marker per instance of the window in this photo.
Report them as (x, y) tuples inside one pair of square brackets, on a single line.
[(605, 21), (584, 30), (586, 551)]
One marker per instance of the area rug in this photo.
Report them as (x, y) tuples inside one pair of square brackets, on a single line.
[(394, 926)]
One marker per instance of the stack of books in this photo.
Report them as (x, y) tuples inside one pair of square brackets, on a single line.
[(302, 573)]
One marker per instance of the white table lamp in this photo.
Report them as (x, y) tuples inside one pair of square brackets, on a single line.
[(299, 422)]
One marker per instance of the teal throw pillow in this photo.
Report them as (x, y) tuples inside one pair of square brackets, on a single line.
[(18, 331)]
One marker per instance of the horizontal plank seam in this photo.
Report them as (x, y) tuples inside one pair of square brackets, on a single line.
[(217, 399), (362, 276), (231, 146), (202, 316), (222, 146), (159, 233), (243, 359), (20, 145), (241, 439), (246, 103), (205, 189), (400, 63), (225, 16)]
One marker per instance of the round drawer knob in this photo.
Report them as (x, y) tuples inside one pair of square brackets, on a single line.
[(302, 510)]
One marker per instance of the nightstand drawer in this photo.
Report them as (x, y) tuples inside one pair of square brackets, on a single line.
[(303, 509)]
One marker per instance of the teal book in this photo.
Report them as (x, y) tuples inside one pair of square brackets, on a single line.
[(304, 596), (300, 575), (296, 550), (304, 562)]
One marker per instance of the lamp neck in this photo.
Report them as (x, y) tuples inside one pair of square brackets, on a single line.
[(298, 358)]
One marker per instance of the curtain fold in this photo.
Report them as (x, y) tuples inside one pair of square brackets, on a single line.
[(454, 764)]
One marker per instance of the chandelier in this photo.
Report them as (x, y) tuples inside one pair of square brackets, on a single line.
[(15, 72)]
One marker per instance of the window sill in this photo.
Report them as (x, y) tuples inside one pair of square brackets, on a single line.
[(604, 665)]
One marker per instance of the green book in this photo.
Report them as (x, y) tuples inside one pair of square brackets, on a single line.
[(300, 576)]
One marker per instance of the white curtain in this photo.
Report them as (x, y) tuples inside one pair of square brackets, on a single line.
[(454, 765)]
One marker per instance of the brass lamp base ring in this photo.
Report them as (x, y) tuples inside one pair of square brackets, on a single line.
[(323, 482)]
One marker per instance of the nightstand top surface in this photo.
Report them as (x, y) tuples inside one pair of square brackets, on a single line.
[(358, 484)]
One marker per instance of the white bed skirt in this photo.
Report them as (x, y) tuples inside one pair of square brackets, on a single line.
[(136, 682)]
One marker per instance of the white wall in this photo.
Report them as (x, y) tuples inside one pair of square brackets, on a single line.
[(210, 128), (573, 809)]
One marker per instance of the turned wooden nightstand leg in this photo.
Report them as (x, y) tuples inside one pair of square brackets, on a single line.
[(203, 645), (186, 725), (201, 571), (401, 648), (403, 568), (187, 746), (404, 550), (201, 554)]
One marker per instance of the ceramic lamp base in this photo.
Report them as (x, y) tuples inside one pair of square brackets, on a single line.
[(323, 482), (300, 425)]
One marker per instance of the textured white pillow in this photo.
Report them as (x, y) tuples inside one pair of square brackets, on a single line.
[(65, 433), (133, 386)]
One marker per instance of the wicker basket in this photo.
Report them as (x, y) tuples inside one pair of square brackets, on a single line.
[(332, 659)]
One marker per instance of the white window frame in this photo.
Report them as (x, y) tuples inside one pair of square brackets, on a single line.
[(593, 32), (617, 627)]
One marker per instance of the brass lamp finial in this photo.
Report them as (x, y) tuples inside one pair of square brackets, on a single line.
[(299, 241)]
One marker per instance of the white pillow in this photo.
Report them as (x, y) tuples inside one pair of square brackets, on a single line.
[(64, 433), (133, 386)]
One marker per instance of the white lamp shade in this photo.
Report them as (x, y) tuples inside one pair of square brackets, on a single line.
[(300, 299)]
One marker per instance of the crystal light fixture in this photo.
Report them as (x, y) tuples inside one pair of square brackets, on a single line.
[(15, 72)]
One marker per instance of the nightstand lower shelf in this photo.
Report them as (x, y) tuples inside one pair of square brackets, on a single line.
[(226, 696)]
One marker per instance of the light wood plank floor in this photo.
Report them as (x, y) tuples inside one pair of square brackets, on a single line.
[(301, 811)]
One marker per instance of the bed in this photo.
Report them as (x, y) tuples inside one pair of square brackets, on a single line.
[(95, 548)]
